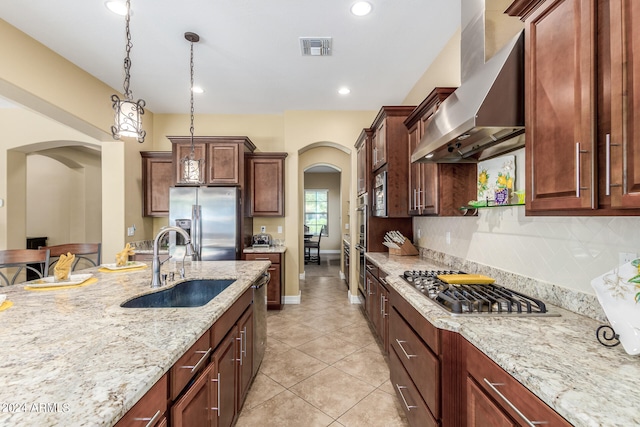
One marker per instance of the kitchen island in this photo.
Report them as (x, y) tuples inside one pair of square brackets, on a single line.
[(556, 358), (74, 357)]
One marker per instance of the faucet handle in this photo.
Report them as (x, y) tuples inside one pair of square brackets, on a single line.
[(162, 262)]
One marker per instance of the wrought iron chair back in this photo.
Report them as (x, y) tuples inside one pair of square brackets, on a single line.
[(15, 261)]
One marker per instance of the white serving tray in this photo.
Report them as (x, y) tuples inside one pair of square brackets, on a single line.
[(50, 282), (129, 264)]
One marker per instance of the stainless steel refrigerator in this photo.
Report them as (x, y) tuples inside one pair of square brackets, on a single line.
[(211, 216)]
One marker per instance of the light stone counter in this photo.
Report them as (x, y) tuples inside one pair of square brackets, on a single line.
[(269, 250), (74, 357), (558, 358)]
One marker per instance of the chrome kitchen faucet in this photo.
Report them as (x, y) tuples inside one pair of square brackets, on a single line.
[(155, 265)]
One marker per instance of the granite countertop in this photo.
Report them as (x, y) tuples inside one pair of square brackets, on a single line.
[(269, 250), (74, 357), (558, 358)]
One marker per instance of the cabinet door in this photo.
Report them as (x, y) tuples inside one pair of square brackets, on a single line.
[(622, 145), (383, 330), (362, 169), (274, 294), (157, 178), (380, 146), (559, 72), (183, 149), (414, 172), (150, 408), (223, 164), (245, 351), (224, 381), (266, 186), (194, 407), (372, 298), (481, 411)]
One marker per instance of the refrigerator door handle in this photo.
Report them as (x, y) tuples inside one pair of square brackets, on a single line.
[(196, 237)]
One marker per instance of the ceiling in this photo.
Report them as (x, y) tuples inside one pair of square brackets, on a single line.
[(248, 59)]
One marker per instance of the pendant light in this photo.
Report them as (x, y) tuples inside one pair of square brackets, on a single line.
[(128, 114), (192, 168)]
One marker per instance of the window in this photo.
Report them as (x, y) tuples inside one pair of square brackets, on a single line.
[(316, 211)]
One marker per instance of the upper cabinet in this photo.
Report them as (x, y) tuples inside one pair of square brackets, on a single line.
[(363, 147), (435, 188), (265, 184), (581, 106), (157, 177), (389, 162), (223, 158)]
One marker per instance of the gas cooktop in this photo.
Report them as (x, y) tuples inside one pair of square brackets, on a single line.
[(474, 299)]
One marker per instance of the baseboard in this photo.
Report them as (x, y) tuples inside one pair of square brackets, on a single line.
[(353, 299), (292, 299)]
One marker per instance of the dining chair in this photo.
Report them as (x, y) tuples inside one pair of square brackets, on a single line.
[(14, 261), (312, 244), (89, 253)]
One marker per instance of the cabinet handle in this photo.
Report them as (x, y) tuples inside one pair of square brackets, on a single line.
[(240, 339), (420, 205), (608, 165), (528, 422), (578, 152), (400, 388), (243, 348), (218, 384), (407, 355), (415, 203), (262, 259), (152, 420), (382, 305), (200, 362)]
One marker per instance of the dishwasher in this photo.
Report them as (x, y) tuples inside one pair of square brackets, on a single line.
[(259, 320)]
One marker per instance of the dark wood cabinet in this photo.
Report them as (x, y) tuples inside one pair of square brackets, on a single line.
[(389, 157), (363, 147), (275, 287), (245, 354), (377, 303), (224, 158), (194, 407), (157, 177), (581, 106), (265, 184), (151, 409), (495, 398), (436, 188), (189, 365), (224, 381)]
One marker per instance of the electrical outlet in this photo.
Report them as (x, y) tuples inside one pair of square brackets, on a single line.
[(263, 228), (279, 229), (447, 237), (131, 231), (346, 226), (626, 257), (419, 233)]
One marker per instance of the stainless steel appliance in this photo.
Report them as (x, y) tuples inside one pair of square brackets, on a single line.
[(380, 195), (474, 299), (211, 216), (361, 246), (259, 320)]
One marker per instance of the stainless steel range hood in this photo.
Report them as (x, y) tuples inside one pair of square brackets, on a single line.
[(484, 117)]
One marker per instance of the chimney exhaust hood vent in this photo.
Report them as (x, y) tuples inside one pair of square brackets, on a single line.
[(484, 117)]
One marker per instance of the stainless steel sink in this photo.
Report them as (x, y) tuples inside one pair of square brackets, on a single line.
[(192, 293)]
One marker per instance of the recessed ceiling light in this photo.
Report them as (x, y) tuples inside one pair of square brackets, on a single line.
[(117, 7), (361, 8), (344, 91), (197, 89)]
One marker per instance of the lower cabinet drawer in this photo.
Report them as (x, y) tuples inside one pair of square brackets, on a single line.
[(420, 363), (149, 410), (189, 364), (274, 258), (410, 400)]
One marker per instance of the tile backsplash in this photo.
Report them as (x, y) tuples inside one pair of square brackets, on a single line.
[(564, 253)]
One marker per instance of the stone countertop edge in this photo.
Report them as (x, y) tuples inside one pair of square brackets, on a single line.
[(74, 357), (558, 359), (269, 250)]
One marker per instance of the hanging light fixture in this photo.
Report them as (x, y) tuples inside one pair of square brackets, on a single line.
[(192, 168), (128, 114)]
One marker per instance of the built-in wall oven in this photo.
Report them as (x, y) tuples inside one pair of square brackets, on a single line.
[(380, 195), (361, 246)]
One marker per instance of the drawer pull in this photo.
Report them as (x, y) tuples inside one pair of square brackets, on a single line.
[(494, 386), (262, 259), (400, 388), (200, 362), (407, 355), (152, 420)]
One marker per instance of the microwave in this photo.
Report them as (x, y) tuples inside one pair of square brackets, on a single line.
[(379, 207)]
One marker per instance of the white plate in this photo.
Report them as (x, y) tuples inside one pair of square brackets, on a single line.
[(129, 264), (618, 292), (49, 281)]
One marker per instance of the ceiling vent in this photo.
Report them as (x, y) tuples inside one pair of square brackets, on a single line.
[(315, 46)]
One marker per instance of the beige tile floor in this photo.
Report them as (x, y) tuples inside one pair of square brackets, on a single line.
[(322, 365)]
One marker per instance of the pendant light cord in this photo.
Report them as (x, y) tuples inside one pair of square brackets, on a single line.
[(191, 129), (127, 60)]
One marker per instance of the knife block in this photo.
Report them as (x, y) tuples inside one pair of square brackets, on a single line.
[(407, 249)]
